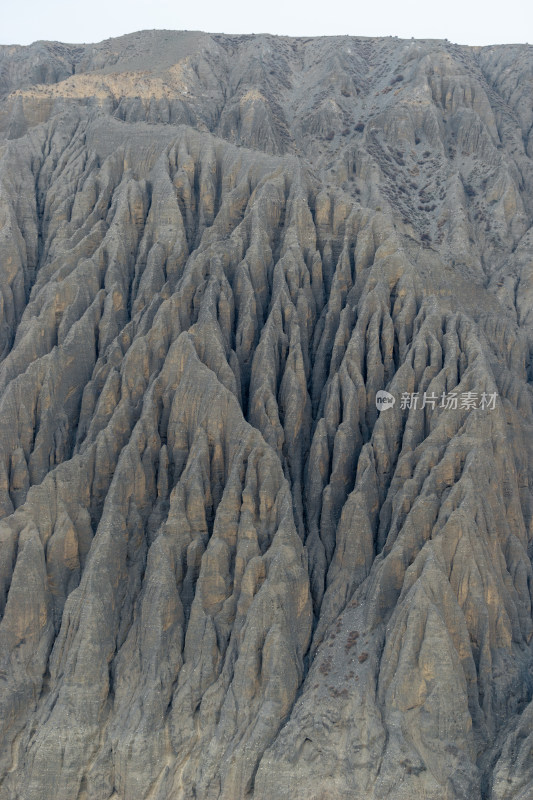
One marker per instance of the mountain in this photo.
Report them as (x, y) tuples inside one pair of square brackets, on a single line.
[(224, 573)]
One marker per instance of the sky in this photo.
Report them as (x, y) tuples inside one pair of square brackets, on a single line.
[(460, 21)]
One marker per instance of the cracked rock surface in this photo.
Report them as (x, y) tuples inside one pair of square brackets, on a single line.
[(224, 574)]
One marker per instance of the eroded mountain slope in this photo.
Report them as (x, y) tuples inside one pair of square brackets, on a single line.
[(225, 574)]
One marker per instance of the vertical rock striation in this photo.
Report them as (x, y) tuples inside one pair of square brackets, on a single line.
[(224, 574)]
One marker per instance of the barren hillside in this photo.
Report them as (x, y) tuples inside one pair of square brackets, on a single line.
[(224, 574)]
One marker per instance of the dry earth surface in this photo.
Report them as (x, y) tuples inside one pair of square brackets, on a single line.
[(223, 574)]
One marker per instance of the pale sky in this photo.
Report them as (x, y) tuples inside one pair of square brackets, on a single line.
[(475, 23)]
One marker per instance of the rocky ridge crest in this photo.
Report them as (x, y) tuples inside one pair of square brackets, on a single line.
[(224, 574)]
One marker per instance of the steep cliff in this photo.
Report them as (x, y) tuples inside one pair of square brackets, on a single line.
[(224, 574)]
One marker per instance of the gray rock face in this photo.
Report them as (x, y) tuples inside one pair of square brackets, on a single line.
[(224, 574)]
